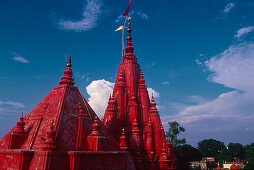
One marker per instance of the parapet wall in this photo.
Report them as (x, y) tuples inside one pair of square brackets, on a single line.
[(17, 159)]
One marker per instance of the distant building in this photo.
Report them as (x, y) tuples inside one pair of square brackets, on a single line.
[(233, 165), (206, 163)]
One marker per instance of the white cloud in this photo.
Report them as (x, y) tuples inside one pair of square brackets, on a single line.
[(19, 58), (89, 18), (243, 31), (232, 68), (153, 92), (99, 91), (228, 7)]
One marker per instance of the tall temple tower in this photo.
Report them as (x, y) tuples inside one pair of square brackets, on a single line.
[(131, 115)]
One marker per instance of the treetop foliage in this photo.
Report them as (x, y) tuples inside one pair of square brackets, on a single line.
[(174, 130)]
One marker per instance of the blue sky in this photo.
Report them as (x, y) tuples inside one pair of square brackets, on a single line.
[(197, 57)]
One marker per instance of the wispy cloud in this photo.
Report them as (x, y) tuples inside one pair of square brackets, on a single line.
[(140, 14), (228, 8), (90, 14), (196, 99), (99, 91), (84, 76), (165, 83), (244, 31), (19, 58), (8, 108), (143, 15), (12, 103)]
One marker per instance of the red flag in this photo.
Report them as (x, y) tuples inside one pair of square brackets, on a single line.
[(127, 9)]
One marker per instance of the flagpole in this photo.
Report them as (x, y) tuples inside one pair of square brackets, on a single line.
[(123, 41), (123, 36)]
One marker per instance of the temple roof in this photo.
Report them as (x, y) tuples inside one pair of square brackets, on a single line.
[(63, 111)]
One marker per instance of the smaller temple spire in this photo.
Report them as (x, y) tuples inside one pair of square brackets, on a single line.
[(96, 140), (50, 143), (67, 77), (153, 104), (95, 128), (123, 142), (20, 125), (141, 80)]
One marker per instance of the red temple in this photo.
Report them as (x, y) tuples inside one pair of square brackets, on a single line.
[(131, 113), (63, 132)]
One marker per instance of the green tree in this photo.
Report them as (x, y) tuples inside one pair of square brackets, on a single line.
[(234, 152), (249, 165), (211, 148), (249, 156), (186, 153), (174, 130)]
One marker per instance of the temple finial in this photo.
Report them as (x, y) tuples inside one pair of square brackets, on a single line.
[(69, 62), (67, 78), (129, 48), (129, 29)]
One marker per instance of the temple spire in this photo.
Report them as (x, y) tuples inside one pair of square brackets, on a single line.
[(141, 80), (153, 104), (50, 143), (67, 77), (20, 125)]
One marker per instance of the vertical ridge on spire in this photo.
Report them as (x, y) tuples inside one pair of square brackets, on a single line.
[(67, 77)]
